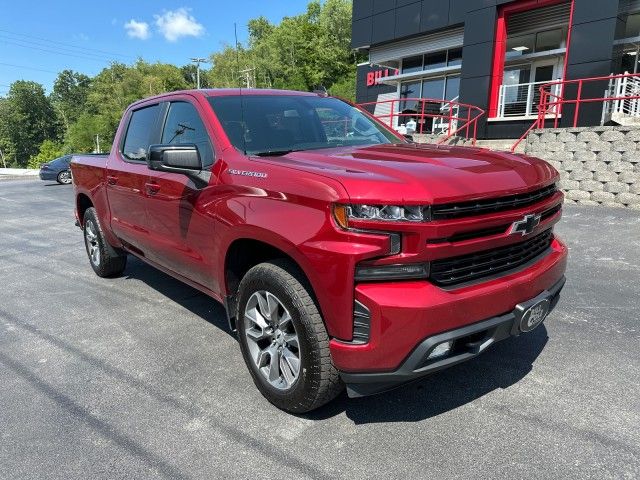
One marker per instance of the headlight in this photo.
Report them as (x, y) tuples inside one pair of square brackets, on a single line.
[(386, 213)]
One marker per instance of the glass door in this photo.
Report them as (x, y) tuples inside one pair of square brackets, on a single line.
[(542, 72)]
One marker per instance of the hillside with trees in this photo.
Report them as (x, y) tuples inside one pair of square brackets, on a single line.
[(300, 53)]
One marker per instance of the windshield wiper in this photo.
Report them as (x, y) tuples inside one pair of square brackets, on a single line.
[(274, 153)]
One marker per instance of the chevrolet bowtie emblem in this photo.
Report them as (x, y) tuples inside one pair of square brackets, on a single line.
[(525, 226)]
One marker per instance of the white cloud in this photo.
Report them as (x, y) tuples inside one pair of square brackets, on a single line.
[(137, 29), (174, 24)]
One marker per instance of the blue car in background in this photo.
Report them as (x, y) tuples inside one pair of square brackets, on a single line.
[(57, 170)]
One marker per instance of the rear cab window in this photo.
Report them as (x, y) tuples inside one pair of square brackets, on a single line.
[(139, 132)]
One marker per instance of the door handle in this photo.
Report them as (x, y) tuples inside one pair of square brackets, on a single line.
[(112, 180), (152, 188)]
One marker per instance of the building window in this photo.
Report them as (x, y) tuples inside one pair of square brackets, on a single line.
[(439, 88), (549, 40), (435, 60), (520, 45), (535, 42), (452, 89), (632, 27), (410, 90), (454, 57), (412, 64), (432, 61)]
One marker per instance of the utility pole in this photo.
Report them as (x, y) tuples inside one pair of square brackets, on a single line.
[(97, 143), (248, 75), (198, 61)]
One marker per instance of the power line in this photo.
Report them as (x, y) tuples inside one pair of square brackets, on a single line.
[(83, 57), (28, 68), (59, 50), (67, 44)]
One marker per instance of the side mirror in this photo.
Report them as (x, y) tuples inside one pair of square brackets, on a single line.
[(182, 158)]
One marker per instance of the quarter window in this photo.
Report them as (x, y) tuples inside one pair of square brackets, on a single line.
[(184, 125), (137, 140)]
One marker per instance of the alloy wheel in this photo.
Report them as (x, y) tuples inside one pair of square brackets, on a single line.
[(272, 340), (65, 177), (91, 238)]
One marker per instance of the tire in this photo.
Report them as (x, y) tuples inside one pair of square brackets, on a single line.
[(64, 177), (105, 260), (317, 381)]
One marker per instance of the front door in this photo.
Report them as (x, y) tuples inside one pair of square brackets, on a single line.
[(127, 175), (181, 233)]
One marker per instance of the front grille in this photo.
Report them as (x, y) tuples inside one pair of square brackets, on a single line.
[(479, 207), (467, 268)]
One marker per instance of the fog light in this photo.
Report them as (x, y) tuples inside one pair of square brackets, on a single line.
[(405, 271), (441, 350)]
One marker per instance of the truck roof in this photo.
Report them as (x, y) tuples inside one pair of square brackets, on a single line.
[(220, 92)]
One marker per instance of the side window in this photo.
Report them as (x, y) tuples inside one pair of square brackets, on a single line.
[(184, 125), (139, 132)]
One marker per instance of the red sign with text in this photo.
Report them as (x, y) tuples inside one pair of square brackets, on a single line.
[(373, 78)]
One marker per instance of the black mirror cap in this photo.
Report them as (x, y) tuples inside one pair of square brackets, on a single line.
[(181, 158)]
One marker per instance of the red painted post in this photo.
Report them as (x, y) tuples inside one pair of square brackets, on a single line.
[(422, 116), (554, 102), (468, 122), (393, 101), (578, 98), (475, 131)]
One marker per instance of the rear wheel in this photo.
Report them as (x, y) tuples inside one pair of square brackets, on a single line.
[(283, 338), (105, 260), (64, 177)]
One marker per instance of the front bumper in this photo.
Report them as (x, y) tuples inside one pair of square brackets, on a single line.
[(468, 342)]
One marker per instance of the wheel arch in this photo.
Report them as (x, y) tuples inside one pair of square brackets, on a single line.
[(83, 202), (244, 253)]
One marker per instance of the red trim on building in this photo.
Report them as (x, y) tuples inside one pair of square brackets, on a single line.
[(500, 44)]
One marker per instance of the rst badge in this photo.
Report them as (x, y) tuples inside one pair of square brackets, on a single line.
[(525, 226)]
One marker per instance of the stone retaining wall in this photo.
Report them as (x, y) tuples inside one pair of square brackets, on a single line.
[(598, 165)]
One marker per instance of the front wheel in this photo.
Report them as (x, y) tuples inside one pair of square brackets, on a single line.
[(283, 338)]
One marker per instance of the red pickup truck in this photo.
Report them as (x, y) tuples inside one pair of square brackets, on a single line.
[(343, 253)]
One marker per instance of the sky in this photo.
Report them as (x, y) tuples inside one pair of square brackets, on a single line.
[(40, 38)]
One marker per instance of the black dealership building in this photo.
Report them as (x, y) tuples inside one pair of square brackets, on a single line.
[(493, 54)]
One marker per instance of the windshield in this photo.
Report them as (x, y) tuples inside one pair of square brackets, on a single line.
[(278, 124)]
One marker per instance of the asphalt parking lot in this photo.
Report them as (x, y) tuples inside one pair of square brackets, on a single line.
[(137, 377)]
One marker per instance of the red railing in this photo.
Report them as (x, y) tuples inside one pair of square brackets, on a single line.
[(550, 104), (446, 118)]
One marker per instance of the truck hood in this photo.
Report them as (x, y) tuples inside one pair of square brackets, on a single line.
[(414, 173)]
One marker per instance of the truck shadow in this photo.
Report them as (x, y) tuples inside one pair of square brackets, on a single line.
[(500, 367), (188, 297)]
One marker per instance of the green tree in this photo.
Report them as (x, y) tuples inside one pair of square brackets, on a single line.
[(111, 91), (303, 51), (69, 95), (48, 151), (26, 120)]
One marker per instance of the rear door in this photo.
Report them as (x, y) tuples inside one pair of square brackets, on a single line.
[(127, 175), (181, 233)]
